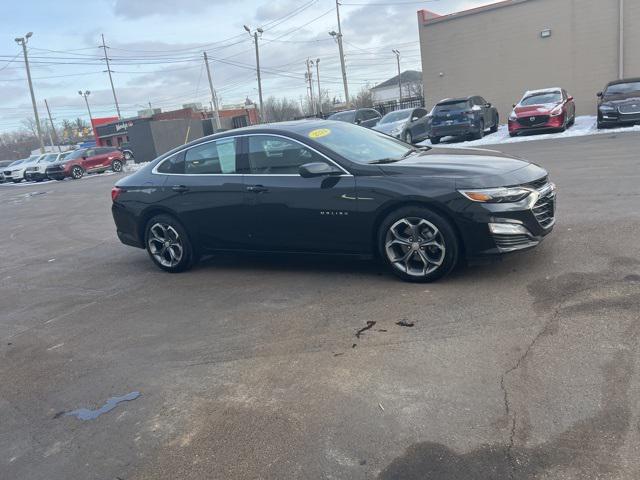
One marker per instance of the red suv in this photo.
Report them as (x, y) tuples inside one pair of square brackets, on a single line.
[(86, 160), (548, 109)]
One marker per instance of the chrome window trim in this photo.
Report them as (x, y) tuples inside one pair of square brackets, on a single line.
[(155, 169)]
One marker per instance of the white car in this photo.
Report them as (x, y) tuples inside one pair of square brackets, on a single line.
[(15, 171), (38, 169)]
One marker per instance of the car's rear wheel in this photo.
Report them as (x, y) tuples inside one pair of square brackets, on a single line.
[(77, 172), (116, 166), (127, 155), (494, 129), (417, 244), (168, 244), (408, 138), (435, 140), (17, 181)]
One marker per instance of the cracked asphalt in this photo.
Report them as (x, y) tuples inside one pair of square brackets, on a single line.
[(248, 367)]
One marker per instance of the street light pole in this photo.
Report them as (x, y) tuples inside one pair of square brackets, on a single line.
[(338, 36), (310, 79), (85, 94), (397, 54), (257, 34), (214, 95), (319, 91), (23, 41)]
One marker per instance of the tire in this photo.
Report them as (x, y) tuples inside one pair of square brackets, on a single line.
[(513, 134), (480, 133), (435, 140), (127, 156), (494, 129), (77, 172), (176, 256), (116, 166), (399, 244), (408, 138), (17, 181)]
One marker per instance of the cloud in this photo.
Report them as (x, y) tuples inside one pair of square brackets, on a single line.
[(136, 9)]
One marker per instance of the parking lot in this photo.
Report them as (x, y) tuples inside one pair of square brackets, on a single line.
[(249, 366)]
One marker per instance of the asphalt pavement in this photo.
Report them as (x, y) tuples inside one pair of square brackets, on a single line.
[(249, 367)]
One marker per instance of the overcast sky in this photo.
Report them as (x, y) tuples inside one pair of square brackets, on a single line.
[(156, 50)]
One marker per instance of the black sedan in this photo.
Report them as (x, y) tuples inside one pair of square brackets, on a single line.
[(333, 187), (619, 103)]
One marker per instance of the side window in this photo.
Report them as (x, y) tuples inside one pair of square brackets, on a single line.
[(371, 114), (90, 152), (419, 112), (173, 164), (212, 157), (270, 155), (481, 101)]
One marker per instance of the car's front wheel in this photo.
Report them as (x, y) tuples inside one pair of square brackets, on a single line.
[(417, 244), (168, 244), (116, 166), (408, 138), (435, 140), (77, 172)]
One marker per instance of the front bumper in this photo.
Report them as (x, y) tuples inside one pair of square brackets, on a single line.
[(35, 176), (454, 129), (553, 123), (56, 173), (616, 118)]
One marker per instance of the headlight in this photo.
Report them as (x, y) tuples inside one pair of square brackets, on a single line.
[(513, 117), (607, 108), (556, 111), (396, 131), (497, 195)]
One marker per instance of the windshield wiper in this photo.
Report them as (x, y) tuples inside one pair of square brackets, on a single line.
[(384, 160)]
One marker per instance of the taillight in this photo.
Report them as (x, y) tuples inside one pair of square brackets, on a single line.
[(115, 193)]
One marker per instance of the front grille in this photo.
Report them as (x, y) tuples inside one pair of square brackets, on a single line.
[(533, 120), (545, 209), (7, 172), (513, 242), (631, 108)]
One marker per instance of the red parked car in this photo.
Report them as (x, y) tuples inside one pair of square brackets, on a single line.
[(548, 109), (86, 160)]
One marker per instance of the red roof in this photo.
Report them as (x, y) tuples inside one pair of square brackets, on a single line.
[(427, 16)]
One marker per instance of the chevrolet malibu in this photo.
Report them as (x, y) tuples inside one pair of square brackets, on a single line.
[(332, 187)]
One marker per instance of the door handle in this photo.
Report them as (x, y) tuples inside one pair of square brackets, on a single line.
[(180, 188), (257, 188)]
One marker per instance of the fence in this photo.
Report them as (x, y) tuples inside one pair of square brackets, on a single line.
[(413, 102)]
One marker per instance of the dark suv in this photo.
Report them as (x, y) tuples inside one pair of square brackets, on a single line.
[(366, 117), (619, 103), (86, 160), (468, 116)]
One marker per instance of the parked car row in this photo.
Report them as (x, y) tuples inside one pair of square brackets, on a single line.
[(58, 166)]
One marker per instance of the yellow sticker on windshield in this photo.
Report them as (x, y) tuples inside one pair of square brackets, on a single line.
[(320, 132)]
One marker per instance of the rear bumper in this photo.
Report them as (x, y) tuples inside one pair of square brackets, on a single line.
[(126, 226), (455, 130)]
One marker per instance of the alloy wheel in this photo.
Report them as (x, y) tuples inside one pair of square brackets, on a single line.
[(165, 244), (415, 246), (76, 172), (116, 166)]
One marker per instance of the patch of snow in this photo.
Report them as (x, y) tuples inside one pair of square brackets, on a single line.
[(132, 167), (584, 126)]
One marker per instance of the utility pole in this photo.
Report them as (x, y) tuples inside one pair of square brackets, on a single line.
[(319, 91), (106, 58), (621, 39), (338, 36), (397, 54), (85, 94), (257, 34), (214, 96), (53, 129), (310, 79), (23, 41)]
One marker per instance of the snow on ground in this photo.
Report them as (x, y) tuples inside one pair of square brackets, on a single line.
[(131, 167), (585, 125)]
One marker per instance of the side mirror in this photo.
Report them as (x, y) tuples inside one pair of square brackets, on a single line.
[(413, 119), (570, 99), (318, 169), (358, 121), (84, 157), (487, 105), (599, 94), (514, 105)]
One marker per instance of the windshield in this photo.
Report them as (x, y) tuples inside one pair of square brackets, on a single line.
[(17, 162), (623, 88), (396, 116), (49, 158), (542, 98), (349, 116), (359, 144), (447, 107), (76, 154)]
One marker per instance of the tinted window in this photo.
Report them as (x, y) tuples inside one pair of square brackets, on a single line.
[(360, 145), (419, 112), (396, 116), (212, 157), (623, 88), (173, 164), (446, 107), (542, 98), (103, 150), (349, 116), (370, 114), (270, 155)]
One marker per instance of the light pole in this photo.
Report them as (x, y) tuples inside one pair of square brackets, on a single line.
[(397, 54), (338, 36), (310, 79), (319, 91), (255, 35), (23, 42), (85, 94)]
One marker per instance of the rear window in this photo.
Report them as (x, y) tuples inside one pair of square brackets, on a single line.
[(447, 107), (344, 116), (623, 88)]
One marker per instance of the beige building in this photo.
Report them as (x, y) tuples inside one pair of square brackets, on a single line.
[(501, 50)]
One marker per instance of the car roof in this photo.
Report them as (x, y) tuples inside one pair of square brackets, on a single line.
[(460, 99), (624, 80), (542, 90)]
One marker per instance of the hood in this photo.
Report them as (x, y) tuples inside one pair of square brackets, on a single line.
[(388, 127), (622, 98), (542, 109), (468, 167)]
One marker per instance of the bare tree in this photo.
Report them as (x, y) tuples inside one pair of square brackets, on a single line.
[(364, 98), (280, 110)]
